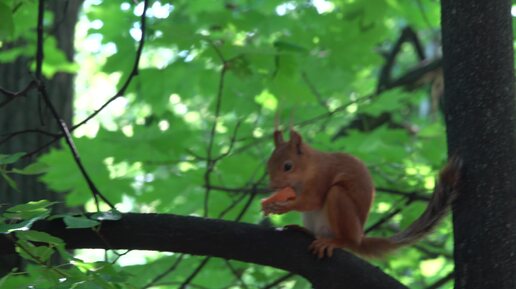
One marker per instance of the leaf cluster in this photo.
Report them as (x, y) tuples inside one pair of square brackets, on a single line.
[(192, 131)]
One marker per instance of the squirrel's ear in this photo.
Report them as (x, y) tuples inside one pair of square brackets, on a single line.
[(296, 140), (278, 138)]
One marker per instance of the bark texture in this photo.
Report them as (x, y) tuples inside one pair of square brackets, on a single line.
[(481, 129), (224, 239), (30, 113)]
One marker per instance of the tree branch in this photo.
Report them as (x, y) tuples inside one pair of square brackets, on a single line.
[(285, 250), (61, 123), (416, 196), (407, 35), (210, 161), (14, 94), (25, 131)]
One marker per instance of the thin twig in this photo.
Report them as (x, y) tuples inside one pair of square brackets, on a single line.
[(75, 153), (247, 204), (236, 274), (192, 285), (119, 255), (233, 204), (16, 133), (195, 272), (36, 258), (442, 281), (210, 161), (61, 123), (383, 220), (409, 200), (231, 142), (237, 219), (417, 196), (134, 72), (96, 230), (407, 35), (121, 92), (430, 252), (404, 80), (239, 190), (14, 94), (314, 91), (39, 41), (165, 273)]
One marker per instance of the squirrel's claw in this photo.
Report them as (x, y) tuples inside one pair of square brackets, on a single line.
[(322, 247)]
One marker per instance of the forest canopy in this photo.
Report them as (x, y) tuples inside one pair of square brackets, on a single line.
[(174, 105)]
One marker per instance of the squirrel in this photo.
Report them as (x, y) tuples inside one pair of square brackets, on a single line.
[(334, 192)]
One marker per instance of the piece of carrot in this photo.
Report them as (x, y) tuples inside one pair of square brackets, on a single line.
[(282, 195)]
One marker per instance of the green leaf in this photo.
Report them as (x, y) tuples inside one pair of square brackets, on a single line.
[(7, 23), (55, 59), (20, 226), (33, 169), (34, 253), (9, 180), (40, 237), (7, 56), (79, 222), (29, 210), (10, 158), (28, 214), (149, 152)]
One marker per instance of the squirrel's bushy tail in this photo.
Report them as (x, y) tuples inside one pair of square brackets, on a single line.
[(443, 196)]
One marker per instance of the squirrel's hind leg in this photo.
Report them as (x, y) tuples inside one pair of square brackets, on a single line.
[(344, 221)]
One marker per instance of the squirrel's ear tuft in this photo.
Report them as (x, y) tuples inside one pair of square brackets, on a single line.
[(296, 140), (278, 138)]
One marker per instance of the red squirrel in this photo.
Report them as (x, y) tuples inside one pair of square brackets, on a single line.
[(334, 192)]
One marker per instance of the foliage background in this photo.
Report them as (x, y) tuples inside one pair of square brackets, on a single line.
[(191, 133)]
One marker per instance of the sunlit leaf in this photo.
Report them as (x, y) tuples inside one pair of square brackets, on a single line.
[(32, 169), (7, 23), (29, 210)]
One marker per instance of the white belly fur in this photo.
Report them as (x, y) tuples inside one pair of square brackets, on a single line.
[(317, 223)]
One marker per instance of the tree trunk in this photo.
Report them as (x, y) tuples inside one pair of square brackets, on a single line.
[(30, 112), (481, 129)]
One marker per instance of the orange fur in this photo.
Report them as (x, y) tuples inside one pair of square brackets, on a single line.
[(335, 192)]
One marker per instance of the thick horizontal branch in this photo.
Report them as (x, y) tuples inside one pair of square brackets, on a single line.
[(285, 250)]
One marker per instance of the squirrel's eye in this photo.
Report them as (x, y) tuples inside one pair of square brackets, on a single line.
[(287, 166)]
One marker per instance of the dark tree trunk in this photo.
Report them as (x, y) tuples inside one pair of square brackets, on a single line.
[(481, 129), (30, 113)]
